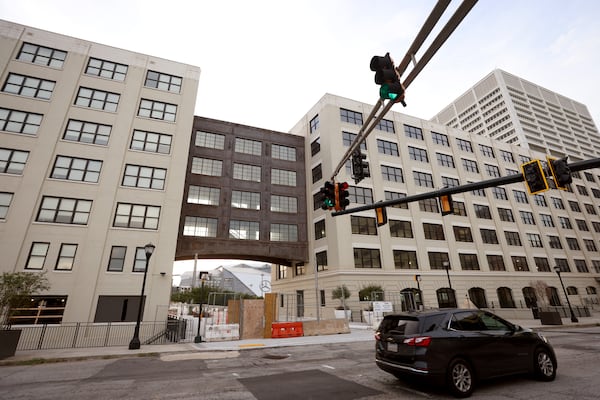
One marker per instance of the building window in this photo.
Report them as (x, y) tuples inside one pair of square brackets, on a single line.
[(360, 195), (534, 240), (520, 263), (582, 225), (581, 266), (317, 174), (449, 182), (413, 132), (281, 274), (459, 208), (392, 174), (157, 110), (29, 86), (433, 231), (547, 220), (200, 227), (507, 156), (367, 258), (558, 203), (5, 200), (495, 262), (582, 190), (314, 123), (386, 125), (352, 117), (161, 81), (320, 231), (401, 229), (64, 210), (117, 258), (76, 169), (573, 243), (210, 140), (462, 234), (470, 165), (247, 200), (554, 242), (418, 154), (247, 146), (488, 236), (574, 206), (87, 132), (429, 205), (492, 170), (521, 196), (19, 121), (405, 259), (246, 172), (66, 257), (512, 238), (284, 204), (321, 259), (506, 215), (284, 233), (590, 245), (244, 230), (315, 147), (441, 139), (482, 211), (464, 145), (139, 262), (209, 167), (468, 262), (527, 217), (42, 55), (151, 142), (12, 161), (106, 69), (280, 152), (37, 255), (565, 223), (540, 200), (97, 99), (445, 160), (499, 193), (437, 259), (283, 177), (363, 225), (395, 196), (589, 208), (348, 138), (423, 179), (205, 195), (562, 264), (136, 216), (389, 148), (144, 177), (542, 264), (478, 192), (486, 151)]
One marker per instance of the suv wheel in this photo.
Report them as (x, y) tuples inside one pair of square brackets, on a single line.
[(461, 380), (544, 366)]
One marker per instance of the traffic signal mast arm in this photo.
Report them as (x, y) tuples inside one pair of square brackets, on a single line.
[(504, 180), (426, 29)]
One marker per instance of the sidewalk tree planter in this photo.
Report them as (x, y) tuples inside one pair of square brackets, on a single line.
[(341, 293), (15, 290)]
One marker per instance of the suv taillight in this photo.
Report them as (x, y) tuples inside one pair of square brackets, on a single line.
[(419, 341)]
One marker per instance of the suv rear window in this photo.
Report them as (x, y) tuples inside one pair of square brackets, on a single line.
[(399, 325)]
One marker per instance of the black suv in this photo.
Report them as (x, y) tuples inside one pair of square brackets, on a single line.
[(456, 347)]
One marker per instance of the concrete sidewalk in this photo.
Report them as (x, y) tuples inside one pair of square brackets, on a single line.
[(172, 352)]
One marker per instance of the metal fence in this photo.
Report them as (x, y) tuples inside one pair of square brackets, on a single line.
[(83, 334)]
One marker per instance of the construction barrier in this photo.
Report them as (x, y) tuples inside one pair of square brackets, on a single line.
[(216, 333), (286, 329)]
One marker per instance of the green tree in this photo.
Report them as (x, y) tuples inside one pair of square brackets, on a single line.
[(15, 290), (341, 293)]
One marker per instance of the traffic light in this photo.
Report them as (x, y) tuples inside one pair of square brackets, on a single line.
[(446, 204), (360, 167), (387, 77), (560, 172), (535, 177), (341, 196), (328, 195), (381, 216)]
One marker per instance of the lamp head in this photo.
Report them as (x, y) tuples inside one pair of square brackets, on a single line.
[(149, 249)]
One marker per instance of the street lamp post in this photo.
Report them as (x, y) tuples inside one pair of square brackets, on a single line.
[(135, 341), (573, 317), (420, 299), (446, 265), (198, 338)]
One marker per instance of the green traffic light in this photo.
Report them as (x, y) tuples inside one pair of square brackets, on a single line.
[(328, 202), (384, 92)]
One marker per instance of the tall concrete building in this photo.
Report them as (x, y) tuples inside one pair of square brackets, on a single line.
[(495, 249), (505, 107), (91, 143)]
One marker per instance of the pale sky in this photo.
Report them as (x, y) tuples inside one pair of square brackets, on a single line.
[(266, 63)]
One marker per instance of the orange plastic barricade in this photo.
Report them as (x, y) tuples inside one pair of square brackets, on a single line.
[(286, 329)]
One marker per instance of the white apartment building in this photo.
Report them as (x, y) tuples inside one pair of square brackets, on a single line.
[(92, 140), (499, 243), (505, 107)]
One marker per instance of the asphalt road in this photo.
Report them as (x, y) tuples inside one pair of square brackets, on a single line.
[(343, 371)]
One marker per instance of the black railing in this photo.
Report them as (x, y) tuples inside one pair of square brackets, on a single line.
[(83, 334)]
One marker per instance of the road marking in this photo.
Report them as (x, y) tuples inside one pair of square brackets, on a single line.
[(206, 355), (327, 366)]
